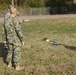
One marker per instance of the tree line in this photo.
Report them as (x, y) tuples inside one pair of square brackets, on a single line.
[(37, 3)]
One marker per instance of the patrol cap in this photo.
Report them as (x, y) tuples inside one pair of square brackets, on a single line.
[(10, 6)]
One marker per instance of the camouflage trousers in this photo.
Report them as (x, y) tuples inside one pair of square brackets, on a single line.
[(14, 54)]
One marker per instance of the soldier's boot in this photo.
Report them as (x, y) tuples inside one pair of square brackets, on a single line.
[(18, 68), (10, 64)]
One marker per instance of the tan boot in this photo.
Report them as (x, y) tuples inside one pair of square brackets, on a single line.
[(18, 68), (9, 64)]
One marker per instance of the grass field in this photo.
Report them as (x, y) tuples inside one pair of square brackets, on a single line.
[(41, 58)]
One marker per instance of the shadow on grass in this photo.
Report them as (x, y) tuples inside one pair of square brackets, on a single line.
[(3, 52), (70, 47)]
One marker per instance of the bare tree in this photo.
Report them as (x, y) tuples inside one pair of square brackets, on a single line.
[(15, 2), (18, 2), (12, 2)]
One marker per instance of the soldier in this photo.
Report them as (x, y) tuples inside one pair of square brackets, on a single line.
[(4, 31), (14, 38)]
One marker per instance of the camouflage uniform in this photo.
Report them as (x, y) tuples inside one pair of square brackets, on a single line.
[(14, 38)]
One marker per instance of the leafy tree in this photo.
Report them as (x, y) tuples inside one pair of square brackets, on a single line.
[(20, 2), (35, 3), (53, 3), (5, 2)]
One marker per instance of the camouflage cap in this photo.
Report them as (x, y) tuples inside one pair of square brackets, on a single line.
[(10, 6)]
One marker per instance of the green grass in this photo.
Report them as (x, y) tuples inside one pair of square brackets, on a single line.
[(41, 58)]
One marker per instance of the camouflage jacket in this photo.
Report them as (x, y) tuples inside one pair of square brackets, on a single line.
[(12, 30)]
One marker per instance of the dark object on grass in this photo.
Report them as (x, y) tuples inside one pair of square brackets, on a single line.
[(55, 43), (51, 42), (46, 39)]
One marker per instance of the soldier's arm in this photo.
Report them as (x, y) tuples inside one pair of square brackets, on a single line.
[(4, 33), (18, 30)]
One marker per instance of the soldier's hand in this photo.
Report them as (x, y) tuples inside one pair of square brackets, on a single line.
[(23, 43)]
